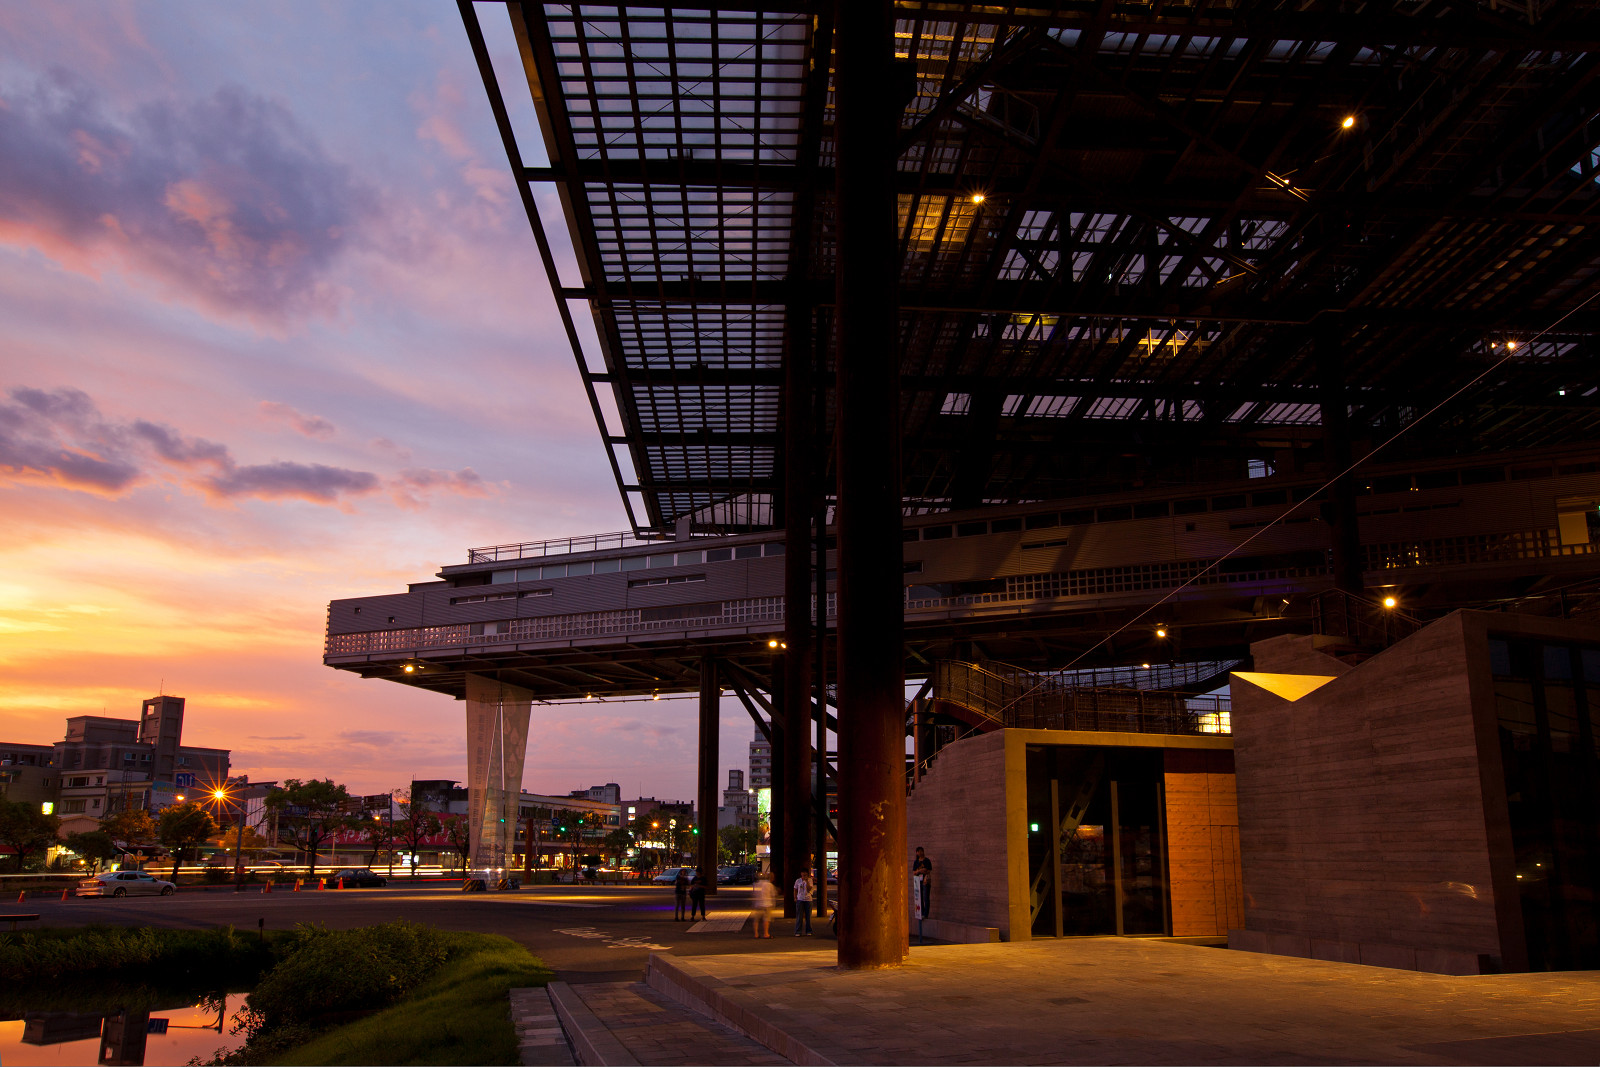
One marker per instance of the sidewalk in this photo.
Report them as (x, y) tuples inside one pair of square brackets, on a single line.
[(1120, 1000)]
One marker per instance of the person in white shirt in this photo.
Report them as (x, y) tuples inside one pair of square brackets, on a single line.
[(802, 903), (763, 898)]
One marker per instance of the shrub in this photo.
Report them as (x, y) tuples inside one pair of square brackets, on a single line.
[(46, 954), (330, 972)]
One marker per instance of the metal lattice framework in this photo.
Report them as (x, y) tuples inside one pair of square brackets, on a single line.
[(1139, 243)]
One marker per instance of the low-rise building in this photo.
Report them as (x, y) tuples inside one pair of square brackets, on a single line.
[(105, 764)]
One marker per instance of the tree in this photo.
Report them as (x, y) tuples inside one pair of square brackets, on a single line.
[(26, 829), (183, 827), (310, 813), (131, 826), (416, 825), (737, 842), (617, 843), (96, 846), (378, 832), (458, 838)]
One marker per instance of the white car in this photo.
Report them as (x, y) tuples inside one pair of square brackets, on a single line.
[(125, 884)]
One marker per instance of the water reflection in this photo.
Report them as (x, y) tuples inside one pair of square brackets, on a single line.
[(155, 1034)]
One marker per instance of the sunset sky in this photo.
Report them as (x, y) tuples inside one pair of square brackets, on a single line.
[(273, 331)]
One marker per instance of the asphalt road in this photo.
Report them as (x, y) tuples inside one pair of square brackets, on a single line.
[(585, 934)]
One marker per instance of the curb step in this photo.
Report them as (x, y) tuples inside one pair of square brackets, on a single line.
[(540, 1040)]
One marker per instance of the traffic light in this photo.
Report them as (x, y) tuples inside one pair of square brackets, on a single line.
[(695, 830)]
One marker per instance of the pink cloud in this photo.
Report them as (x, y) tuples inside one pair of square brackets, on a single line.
[(415, 483), (310, 425)]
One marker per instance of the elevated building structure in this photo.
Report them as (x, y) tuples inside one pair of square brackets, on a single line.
[(861, 268)]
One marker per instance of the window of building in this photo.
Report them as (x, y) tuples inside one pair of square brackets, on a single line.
[(77, 783), (73, 806)]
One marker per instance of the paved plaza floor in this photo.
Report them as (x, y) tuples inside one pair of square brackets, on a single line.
[(1119, 1000)]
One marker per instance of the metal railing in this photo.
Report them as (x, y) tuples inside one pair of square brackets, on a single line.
[(559, 546), (1016, 698), (745, 612)]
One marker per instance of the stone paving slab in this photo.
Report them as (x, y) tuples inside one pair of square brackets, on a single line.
[(1122, 1000), (640, 1026)]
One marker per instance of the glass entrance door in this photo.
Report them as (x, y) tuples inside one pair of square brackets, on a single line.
[(1096, 844)]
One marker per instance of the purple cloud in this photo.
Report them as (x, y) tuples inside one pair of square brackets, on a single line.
[(290, 481), (59, 437), (224, 202)]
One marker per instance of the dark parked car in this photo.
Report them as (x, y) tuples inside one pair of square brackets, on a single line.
[(357, 878), (738, 874)]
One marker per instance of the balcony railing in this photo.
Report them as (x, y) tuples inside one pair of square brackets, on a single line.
[(560, 546), (1019, 589)]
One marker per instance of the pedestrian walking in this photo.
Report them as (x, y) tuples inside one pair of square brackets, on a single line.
[(802, 902), (680, 894), (763, 898), (697, 896)]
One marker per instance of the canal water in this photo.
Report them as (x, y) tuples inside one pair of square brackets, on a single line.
[(150, 1034)]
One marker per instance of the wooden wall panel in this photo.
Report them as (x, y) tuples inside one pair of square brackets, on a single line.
[(1202, 842)]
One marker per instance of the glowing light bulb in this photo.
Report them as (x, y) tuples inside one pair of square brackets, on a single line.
[(1161, 633), (1349, 121), (1511, 346), (409, 668), (1389, 601), (978, 198)]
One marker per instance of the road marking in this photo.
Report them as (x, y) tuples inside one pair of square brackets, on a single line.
[(612, 941)]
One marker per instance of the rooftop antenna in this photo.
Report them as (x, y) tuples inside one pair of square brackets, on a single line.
[(161, 690)]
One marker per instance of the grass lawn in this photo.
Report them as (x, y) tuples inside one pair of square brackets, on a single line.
[(459, 1015)]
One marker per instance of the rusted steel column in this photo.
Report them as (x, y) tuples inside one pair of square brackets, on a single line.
[(710, 716), (873, 878), (795, 697)]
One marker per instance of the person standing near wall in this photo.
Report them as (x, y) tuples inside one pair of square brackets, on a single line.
[(924, 866), (680, 893)]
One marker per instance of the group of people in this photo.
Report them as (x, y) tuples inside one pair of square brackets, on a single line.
[(764, 903), (764, 899), (691, 891)]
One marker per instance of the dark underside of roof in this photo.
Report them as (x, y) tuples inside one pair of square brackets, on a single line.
[(1140, 244)]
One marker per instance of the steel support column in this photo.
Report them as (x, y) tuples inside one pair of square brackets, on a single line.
[(795, 699), (710, 722), (873, 867)]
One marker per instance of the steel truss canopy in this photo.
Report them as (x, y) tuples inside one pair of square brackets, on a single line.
[(1140, 243)]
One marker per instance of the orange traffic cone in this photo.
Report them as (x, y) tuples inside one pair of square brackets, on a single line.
[(266, 887), (22, 896), (297, 883), (63, 895), (341, 883), (322, 883)]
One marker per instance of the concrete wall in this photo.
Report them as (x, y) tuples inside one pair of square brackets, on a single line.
[(1362, 808), (1203, 842), (957, 813)]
